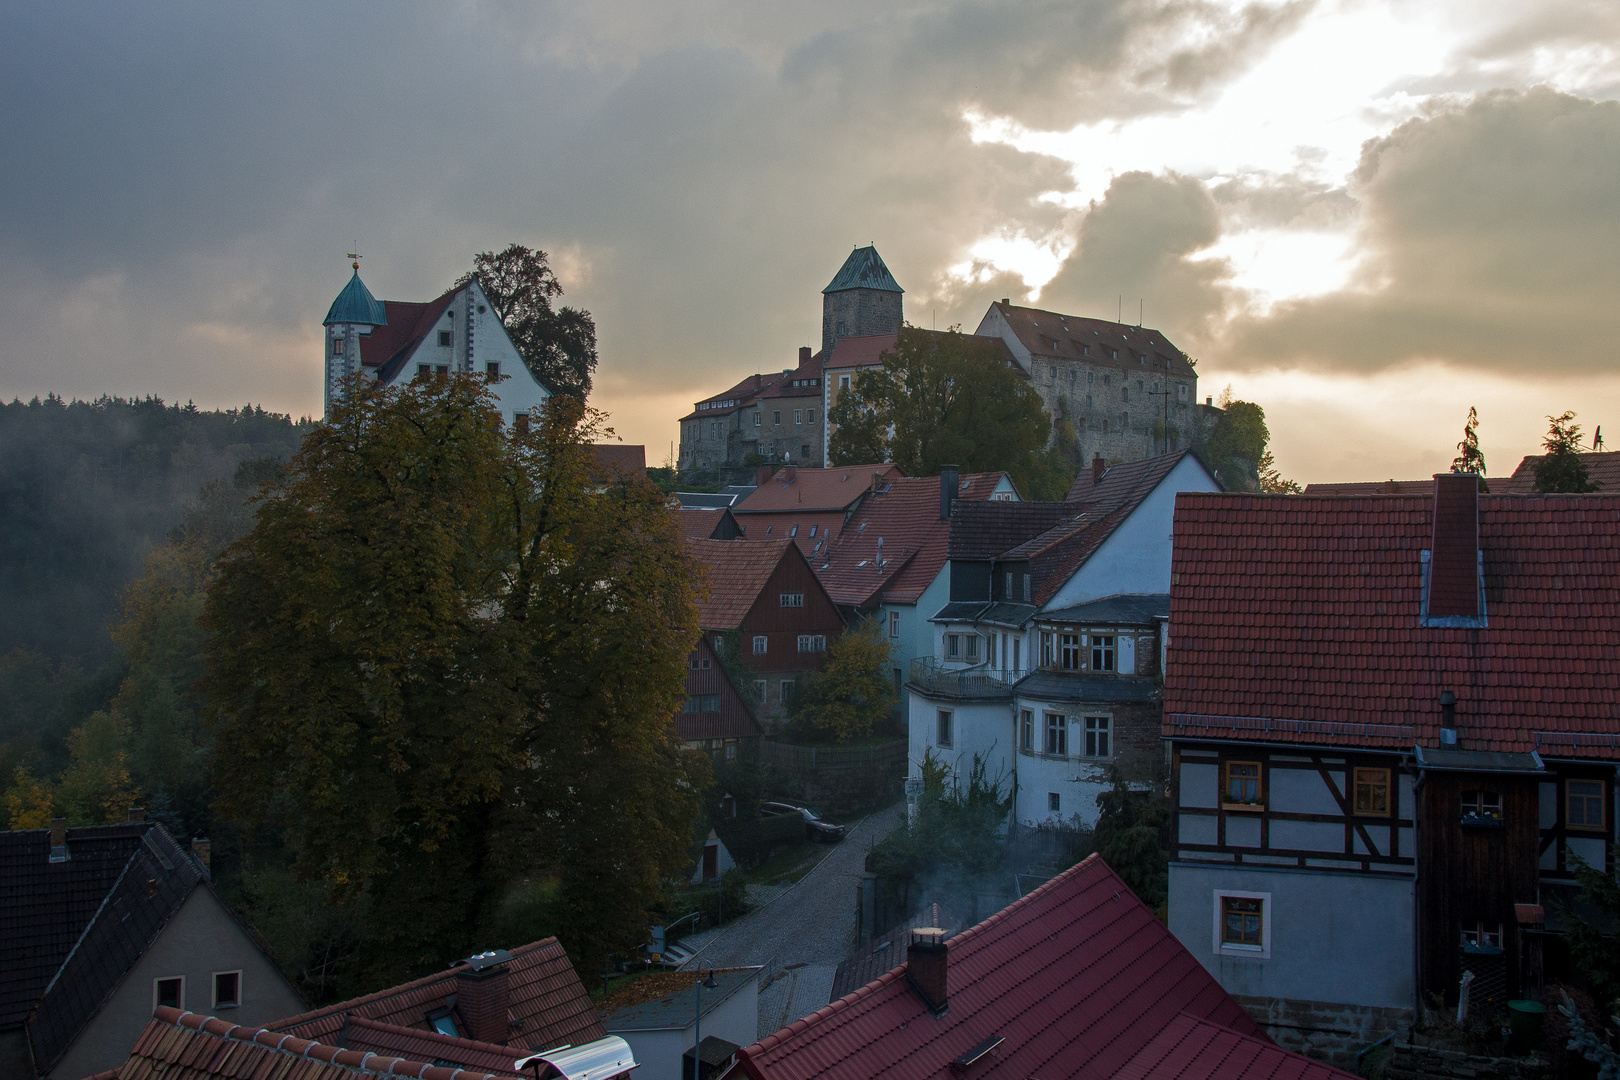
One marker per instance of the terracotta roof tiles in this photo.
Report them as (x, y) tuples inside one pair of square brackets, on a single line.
[(1296, 619), (734, 573), (793, 490), (1078, 978), (1073, 337)]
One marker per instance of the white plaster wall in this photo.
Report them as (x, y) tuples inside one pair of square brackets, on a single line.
[(979, 727), (993, 325), (1136, 558), (200, 939), (723, 862)]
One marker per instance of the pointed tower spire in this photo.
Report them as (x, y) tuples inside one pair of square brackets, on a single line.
[(862, 299)]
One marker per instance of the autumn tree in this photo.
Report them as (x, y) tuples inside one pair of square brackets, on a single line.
[(448, 662), (1237, 446), (1561, 470), (941, 399), (558, 344), (854, 690)]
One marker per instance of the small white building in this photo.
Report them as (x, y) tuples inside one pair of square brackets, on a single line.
[(394, 341), (660, 1032)]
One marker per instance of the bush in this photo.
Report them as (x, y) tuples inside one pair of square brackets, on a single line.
[(685, 899)]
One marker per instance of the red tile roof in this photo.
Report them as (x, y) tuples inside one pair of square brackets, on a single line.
[(744, 393), (1373, 487), (618, 457), (793, 490), (1601, 467), (1067, 337), (867, 350), (185, 1046), (735, 573), (1078, 978), (812, 530), (386, 347), (702, 522), (547, 1002), (1296, 619), (905, 516)]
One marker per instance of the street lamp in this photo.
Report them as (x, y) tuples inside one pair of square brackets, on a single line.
[(706, 983)]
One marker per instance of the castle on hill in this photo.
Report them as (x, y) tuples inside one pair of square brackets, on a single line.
[(1128, 392)]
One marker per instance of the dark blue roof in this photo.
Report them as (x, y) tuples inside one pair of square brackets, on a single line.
[(1139, 610), (355, 304), (864, 269), (1073, 686)]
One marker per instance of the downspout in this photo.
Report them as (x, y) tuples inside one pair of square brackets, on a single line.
[(1417, 910)]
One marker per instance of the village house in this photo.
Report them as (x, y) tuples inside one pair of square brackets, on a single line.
[(1602, 469), (509, 1015), (1044, 663), (716, 719), (101, 925), (807, 506), (1392, 735), (888, 561), (764, 593), (1076, 979), (662, 1029), (392, 342)]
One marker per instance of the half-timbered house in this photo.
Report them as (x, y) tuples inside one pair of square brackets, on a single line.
[(1392, 731)]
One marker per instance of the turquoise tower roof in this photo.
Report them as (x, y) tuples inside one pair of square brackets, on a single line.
[(864, 269), (355, 304)]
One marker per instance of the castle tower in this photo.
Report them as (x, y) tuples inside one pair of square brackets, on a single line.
[(351, 317), (863, 299)]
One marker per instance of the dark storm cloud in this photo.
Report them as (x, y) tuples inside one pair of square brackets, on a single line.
[(1488, 237)]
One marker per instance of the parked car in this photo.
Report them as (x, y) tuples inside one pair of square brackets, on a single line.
[(815, 828)]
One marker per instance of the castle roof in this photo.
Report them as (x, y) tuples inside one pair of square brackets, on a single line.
[(355, 304), (864, 269)]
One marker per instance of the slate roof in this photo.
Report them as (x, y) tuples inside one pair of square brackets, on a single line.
[(547, 1003), (1137, 610), (1127, 483), (705, 500), (355, 304), (70, 931), (864, 269), (1078, 978), (1073, 686), (905, 516), (1066, 337), (1296, 620), (981, 531), (792, 489), (186, 1046), (735, 573)]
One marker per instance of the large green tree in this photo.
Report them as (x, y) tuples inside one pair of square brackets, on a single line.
[(558, 344), (942, 399), (1236, 449), (447, 663), (1561, 470), (852, 692)]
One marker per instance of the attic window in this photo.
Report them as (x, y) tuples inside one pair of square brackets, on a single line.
[(441, 1021), (169, 992), (446, 338), (227, 989)]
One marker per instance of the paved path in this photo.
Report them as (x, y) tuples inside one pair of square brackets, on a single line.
[(808, 928)]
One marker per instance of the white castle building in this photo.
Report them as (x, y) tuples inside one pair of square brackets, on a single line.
[(394, 341)]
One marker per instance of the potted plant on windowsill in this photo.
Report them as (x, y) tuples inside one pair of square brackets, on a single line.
[(1473, 819), (1253, 806)]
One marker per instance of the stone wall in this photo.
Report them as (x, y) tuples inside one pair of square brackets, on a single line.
[(1114, 411), (1323, 1030), (858, 313)]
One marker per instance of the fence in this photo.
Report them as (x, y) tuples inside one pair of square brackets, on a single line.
[(982, 681)]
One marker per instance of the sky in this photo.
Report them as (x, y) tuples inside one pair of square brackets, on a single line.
[(1365, 215)]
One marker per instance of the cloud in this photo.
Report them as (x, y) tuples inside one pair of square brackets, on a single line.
[(1487, 235)]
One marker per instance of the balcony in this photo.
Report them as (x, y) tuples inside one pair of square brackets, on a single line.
[(932, 677)]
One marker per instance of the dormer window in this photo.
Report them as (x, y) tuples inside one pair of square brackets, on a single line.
[(1070, 652), (1102, 652)]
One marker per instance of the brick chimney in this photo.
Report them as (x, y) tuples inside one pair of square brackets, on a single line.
[(481, 996), (804, 356), (927, 966), (950, 480), (762, 475), (1098, 467), (1454, 550)]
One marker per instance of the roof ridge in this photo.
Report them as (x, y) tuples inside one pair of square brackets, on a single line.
[(308, 1049)]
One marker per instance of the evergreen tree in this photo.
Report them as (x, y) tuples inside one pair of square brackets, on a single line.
[(1470, 459), (1561, 469)]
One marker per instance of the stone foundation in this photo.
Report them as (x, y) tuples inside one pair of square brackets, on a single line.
[(1415, 1061), (1323, 1030)]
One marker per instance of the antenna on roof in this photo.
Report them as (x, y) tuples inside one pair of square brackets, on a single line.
[(1597, 438), (1119, 310), (1140, 305)]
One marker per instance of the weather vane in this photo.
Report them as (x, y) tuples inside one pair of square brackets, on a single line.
[(356, 256)]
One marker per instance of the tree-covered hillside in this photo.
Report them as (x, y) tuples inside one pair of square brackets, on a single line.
[(86, 489)]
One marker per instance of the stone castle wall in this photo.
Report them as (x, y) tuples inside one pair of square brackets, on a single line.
[(857, 313), (1116, 411)]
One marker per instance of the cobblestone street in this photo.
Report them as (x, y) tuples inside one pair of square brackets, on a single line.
[(808, 929)]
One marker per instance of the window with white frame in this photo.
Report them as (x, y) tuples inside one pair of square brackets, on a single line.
[(971, 641), (761, 643), (227, 989), (843, 382), (787, 690), (798, 417), (953, 646), (1047, 658), (1070, 652), (942, 730), (1096, 737), (1026, 730), (1057, 734), (1243, 924), (756, 419), (1102, 652), (894, 624), (812, 643)]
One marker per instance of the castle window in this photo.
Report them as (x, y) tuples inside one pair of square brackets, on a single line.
[(1108, 380), (446, 337), (843, 382), (1181, 392), (337, 346), (776, 418), (756, 419), (492, 370), (1124, 393), (798, 417), (1113, 354), (809, 416)]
